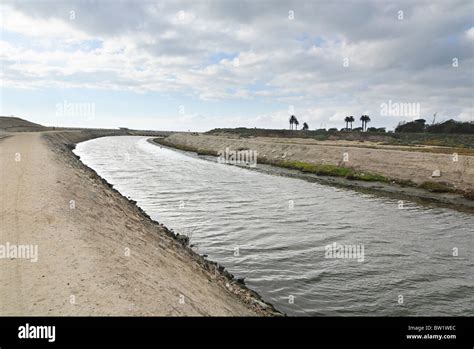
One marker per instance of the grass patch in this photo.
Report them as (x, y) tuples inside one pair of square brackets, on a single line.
[(333, 171), (323, 170), (405, 182), (369, 177), (206, 152), (320, 170), (437, 187)]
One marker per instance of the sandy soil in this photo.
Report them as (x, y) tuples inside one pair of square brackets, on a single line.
[(98, 255), (407, 165)]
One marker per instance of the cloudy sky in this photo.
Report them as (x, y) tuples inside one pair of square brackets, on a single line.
[(203, 64)]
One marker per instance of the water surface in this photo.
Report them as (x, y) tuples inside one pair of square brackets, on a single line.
[(273, 231)]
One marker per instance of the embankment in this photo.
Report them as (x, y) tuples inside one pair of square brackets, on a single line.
[(98, 253), (386, 170)]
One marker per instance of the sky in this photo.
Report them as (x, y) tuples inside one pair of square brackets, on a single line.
[(198, 65)]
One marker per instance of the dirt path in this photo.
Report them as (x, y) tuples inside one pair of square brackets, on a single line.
[(97, 255)]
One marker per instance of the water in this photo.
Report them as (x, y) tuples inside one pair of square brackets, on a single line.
[(272, 230)]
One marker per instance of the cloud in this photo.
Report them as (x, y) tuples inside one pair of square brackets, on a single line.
[(328, 59), (470, 33)]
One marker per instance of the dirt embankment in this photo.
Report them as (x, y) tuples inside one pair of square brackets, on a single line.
[(418, 167), (97, 252), (14, 124)]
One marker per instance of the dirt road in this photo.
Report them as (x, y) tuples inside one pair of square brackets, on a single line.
[(96, 254)]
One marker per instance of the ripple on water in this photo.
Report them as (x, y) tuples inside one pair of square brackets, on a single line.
[(273, 231)]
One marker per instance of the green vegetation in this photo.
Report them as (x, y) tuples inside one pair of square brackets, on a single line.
[(333, 171), (437, 187), (206, 152), (329, 170), (463, 142), (404, 182), (446, 127), (349, 120), (365, 120), (320, 170), (323, 170), (450, 133), (415, 126), (293, 121), (369, 177)]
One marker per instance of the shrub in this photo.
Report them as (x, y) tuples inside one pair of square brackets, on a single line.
[(369, 177), (323, 170), (412, 126), (451, 126), (437, 187)]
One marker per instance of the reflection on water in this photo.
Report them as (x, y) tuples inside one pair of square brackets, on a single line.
[(277, 232)]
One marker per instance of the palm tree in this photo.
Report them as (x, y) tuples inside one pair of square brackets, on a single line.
[(296, 123), (362, 118), (365, 119), (292, 121), (351, 120), (305, 126), (347, 120)]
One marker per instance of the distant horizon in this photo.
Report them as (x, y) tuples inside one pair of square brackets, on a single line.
[(355, 126)]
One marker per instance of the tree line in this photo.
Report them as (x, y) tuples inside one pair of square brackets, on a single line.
[(294, 121), (348, 119), (415, 126), (449, 126)]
